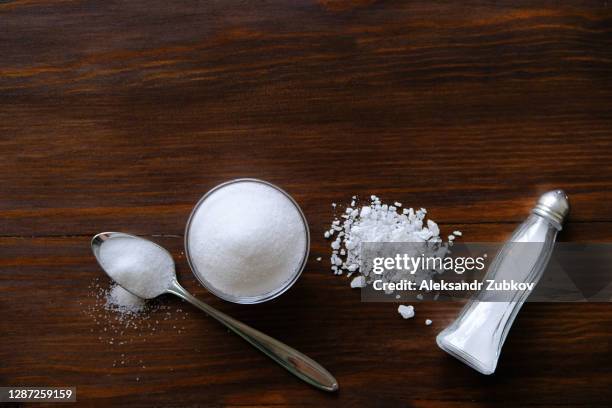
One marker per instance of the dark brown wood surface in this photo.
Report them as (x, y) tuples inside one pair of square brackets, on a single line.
[(120, 115)]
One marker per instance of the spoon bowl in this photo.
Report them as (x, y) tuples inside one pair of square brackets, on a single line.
[(295, 362), (126, 280)]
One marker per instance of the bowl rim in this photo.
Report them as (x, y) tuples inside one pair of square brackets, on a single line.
[(247, 299)]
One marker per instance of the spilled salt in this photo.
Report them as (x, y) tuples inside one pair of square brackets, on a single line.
[(120, 300)]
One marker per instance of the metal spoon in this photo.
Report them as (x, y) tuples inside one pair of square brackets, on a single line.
[(289, 358)]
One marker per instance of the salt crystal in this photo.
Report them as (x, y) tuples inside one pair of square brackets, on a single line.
[(407, 312), (457, 233), (358, 282), (428, 322), (433, 227), (336, 244), (247, 239)]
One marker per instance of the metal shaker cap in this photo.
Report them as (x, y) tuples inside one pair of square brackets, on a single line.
[(553, 205)]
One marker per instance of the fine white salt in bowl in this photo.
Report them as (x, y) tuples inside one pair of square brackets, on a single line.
[(247, 241)]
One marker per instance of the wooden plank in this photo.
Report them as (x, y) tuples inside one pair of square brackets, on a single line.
[(470, 111), (119, 116), (56, 332)]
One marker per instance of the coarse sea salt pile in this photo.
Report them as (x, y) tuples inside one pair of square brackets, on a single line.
[(137, 264), (378, 222), (247, 239)]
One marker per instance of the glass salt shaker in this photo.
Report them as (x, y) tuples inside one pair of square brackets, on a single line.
[(477, 335)]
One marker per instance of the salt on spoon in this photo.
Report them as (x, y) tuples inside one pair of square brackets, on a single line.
[(147, 270)]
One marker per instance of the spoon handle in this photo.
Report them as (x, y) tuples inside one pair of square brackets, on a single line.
[(295, 362)]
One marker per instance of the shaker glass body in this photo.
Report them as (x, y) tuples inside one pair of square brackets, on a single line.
[(476, 337)]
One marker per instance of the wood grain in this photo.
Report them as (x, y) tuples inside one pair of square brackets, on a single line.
[(120, 115)]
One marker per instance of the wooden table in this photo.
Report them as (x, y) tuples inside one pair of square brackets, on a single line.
[(120, 115)]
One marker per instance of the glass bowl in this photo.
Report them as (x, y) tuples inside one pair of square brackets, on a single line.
[(247, 299)]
